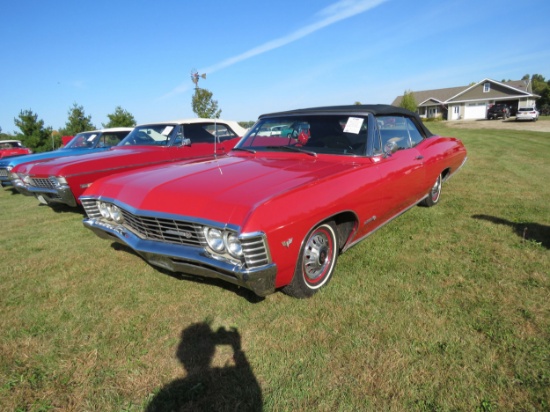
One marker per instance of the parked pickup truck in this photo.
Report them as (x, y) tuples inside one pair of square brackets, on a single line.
[(498, 110)]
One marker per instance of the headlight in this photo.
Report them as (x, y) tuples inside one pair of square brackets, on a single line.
[(223, 242), (116, 214), (58, 181), (110, 212), (233, 244), (9, 168), (104, 209), (214, 238)]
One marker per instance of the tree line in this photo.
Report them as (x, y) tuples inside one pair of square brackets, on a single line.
[(35, 135)]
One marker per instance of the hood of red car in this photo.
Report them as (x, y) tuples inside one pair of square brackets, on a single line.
[(223, 190), (115, 157)]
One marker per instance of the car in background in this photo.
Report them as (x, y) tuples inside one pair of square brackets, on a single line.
[(62, 181), (527, 113), (11, 148), (498, 110), (276, 211), (83, 143)]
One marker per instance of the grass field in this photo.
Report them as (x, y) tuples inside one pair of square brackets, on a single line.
[(444, 309)]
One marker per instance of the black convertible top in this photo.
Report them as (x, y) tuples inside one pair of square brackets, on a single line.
[(358, 109)]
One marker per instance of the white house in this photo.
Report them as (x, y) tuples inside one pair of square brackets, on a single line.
[(472, 102)]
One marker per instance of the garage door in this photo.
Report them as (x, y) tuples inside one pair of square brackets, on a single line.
[(475, 111)]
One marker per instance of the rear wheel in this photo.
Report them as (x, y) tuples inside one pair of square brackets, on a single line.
[(316, 262), (435, 194)]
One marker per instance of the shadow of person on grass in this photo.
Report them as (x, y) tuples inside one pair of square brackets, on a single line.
[(232, 387), (527, 231)]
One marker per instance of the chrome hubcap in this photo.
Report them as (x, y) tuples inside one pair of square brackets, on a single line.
[(436, 190), (317, 256)]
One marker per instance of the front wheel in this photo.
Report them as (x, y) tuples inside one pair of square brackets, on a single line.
[(316, 262), (435, 194)]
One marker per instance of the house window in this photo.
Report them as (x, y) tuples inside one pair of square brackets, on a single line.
[(456, 109), (487, 87)]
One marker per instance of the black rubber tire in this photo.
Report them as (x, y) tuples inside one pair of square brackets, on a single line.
[(316, 262), (435, 193)]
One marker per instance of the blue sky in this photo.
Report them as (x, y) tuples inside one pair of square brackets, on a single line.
[(258, 57)]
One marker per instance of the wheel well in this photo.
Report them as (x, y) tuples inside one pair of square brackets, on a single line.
[(445, 174), (346, 224)]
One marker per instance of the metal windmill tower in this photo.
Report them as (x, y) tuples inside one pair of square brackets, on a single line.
[(195, 76)]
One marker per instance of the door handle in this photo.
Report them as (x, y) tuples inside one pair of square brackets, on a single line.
[(419, 157)]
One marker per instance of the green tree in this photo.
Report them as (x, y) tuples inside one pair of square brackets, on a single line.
[(77, 121), (33, 133), (120, 118), (204, 106), (538, 84), (247, 125), (408, 101)]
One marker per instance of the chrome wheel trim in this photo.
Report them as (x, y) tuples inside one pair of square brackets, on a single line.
[(319, 257), (435, 193)]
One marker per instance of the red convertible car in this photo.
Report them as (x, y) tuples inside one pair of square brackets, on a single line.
[(9, 148), (278, 209), (63, 180)]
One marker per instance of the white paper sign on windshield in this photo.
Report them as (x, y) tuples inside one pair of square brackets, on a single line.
[(353, 125), (167, 130)]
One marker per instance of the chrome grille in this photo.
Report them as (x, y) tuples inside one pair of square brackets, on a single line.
[(90, 206), (3, 172), (180, 232), (166, 230), (255, 251), (41, 182)]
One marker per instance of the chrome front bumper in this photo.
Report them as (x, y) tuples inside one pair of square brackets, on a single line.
[(4, 178), (60, 195), (188, 259)]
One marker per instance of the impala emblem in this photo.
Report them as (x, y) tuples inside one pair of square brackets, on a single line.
[(182, 233), (287, 243)]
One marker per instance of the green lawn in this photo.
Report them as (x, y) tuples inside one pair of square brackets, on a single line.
[(444, 309)]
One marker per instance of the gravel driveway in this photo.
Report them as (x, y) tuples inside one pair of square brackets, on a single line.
[(511, 124)]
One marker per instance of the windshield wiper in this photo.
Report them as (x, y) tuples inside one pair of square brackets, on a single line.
[(293, 149), (244, 149)]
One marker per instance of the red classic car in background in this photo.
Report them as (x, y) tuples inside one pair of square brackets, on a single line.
[(10, 148), (63, 180), (278, 209), (91, 141)]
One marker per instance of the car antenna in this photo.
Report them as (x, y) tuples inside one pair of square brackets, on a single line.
[(215, 138)]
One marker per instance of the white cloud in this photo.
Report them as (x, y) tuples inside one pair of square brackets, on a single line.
[(340, 10)]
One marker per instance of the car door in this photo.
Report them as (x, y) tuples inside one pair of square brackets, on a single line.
[(402, 167)]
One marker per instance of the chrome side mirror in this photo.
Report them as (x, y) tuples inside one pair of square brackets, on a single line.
[(390, 148)]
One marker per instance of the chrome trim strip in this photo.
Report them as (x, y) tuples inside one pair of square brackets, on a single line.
[(350, 245)]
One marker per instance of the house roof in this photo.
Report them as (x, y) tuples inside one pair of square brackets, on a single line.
[(442, 96)]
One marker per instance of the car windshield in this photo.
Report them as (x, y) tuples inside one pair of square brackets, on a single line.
[(150, 135), (83, 140), (10, 145), (333, 134)]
